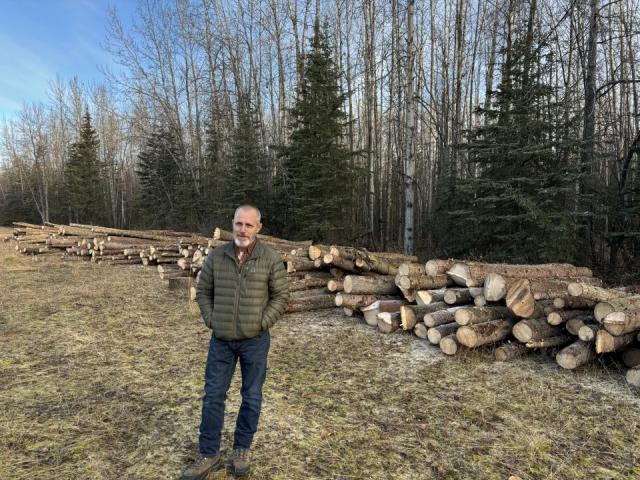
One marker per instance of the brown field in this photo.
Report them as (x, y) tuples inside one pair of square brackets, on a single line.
[(101, 378)]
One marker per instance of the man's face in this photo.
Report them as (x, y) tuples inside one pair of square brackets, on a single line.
[(245, 227)]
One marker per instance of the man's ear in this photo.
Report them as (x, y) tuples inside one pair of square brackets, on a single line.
[(259, 228)]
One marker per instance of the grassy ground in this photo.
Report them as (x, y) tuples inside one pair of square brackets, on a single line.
[(101, 378)]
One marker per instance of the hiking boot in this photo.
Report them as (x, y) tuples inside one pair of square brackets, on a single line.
[(240, 462), (199, 470)]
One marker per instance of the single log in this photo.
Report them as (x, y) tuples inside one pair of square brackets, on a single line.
[(510, 351), (456, 296), (633, 376), (592, 292), (183, 263), (534, 329), (602, 309), (548, 342), (438, 267), (370, 312), (180, 283), (375, 263), (621, 322), (379, 285), (480, 301), (422, 282), (318, 302), (474, 315), (420, 330), (408, 317), (306, 283), (411, 269), (388, 322), (473, 336), (631, 357), (312, 292), (449, 344), (495, 287), (472, 274), (559, 317), (425, 297), (520, 299), (323, 276), (340, 262), (587, 333), (298, 264), (354, 301), (573, 303), (435, 334), (575, 355), (317, 251), (605, 342), (335, 285), (440, 317)]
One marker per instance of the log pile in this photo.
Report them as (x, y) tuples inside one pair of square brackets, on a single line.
[(456, 305)]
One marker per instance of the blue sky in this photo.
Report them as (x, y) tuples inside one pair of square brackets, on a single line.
[(43, 39)]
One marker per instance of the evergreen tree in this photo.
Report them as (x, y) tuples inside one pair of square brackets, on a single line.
[(244, 183), (514, 206), (83, 177), (314, 197), (160, 173)]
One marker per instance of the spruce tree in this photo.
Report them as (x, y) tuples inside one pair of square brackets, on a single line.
[(83, 178), (514, 205), (317, 179), (160, 174)]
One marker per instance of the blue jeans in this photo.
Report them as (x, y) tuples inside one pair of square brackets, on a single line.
[(221, 363)]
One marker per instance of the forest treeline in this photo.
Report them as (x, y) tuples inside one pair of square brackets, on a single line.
[(506, 130)]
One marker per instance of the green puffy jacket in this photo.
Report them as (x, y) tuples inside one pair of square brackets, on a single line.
[(240, 302)]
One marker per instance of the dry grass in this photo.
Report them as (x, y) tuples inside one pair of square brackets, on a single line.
[(101, 378)]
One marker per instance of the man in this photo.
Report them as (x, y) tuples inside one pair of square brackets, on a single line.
[(242, 292)]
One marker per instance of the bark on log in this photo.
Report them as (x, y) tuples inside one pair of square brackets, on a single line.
[(633, 376), (298, 264), (575, 355), (573, 303), (318, 302), (509, 351), (306, 283), (354, 301), (425, 297), (340, 262), (449, 344), (435, 334), (372, 262), (474, 315), (574, 325), (602, 309), (422, 282), (472, 274), (473, 336), (440, 317), (411, 314), (534, 329), (411, 269), (312, 292), (591, 292), (388, 322), (605, 342), (380, 285), (457, 296)]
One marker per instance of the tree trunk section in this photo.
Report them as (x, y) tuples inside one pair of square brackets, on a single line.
[(575, 355)]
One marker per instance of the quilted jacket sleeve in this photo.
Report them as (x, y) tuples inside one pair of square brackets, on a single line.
[(278, 295), (204, 290)]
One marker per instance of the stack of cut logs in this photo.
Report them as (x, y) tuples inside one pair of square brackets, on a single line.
[(454, 304)]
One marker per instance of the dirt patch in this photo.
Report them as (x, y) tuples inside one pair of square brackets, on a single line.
[(101, 378)]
